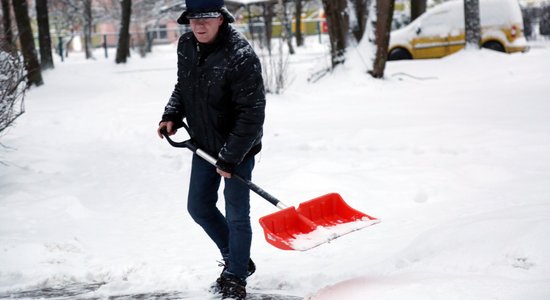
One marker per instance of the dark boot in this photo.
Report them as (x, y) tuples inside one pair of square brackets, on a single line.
[(217, 286), (232, 287), (251, 267)]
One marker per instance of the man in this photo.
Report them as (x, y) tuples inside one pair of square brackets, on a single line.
[(220, 93)]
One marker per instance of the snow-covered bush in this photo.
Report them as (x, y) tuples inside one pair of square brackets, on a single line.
[(12, 86), (275, 70)]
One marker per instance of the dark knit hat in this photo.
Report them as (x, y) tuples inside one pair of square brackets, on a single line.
[(198, 9)]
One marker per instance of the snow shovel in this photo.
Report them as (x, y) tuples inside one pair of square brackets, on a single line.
[(314, 223)]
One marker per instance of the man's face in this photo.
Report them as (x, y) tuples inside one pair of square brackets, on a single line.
[(206, 29)]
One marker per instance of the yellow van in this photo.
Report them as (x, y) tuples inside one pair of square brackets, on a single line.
[(440, 31)]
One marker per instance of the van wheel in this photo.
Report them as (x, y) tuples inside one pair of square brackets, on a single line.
[(496, 46), (399, 54)]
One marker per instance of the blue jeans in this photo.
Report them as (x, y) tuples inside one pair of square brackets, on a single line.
[(232, 233)]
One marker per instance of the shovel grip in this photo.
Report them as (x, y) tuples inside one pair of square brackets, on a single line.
[(253, 187)]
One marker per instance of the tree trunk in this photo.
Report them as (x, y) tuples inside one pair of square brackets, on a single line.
[(123, 48), (8, 33), (361, 13), (286, 29), (88, 28), (338, 26), (544, 25), (26, 39), (384, 15), (298, 17), (44, 39), (418, 7), (285, 26), (268, 22), (472, 24)]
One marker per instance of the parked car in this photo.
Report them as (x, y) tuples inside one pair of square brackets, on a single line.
[(440, 31)]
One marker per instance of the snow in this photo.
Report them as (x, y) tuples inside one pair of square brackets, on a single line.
[(451, 155), (322, 235)]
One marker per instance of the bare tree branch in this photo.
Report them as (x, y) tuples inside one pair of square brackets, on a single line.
[(13, 82)]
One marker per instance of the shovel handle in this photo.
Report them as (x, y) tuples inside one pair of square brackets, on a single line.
[(261, 192), (253, 187)]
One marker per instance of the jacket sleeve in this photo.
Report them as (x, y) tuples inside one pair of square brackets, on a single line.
[(248, 97), (174, 110)]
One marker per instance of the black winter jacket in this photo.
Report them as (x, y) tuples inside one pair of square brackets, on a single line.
[(220, 92)]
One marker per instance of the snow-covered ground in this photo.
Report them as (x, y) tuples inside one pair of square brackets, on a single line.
[(453, 155)]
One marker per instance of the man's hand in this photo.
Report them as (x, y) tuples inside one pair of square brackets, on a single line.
[(223, 173), (224, 169), (169, 126)]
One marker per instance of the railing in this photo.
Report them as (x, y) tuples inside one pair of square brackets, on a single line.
[(163, 35)]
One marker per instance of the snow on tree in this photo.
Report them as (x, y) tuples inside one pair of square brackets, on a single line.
[(472, 24), (375, 40)]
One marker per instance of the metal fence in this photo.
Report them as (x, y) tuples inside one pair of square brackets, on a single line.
[(163, 35)]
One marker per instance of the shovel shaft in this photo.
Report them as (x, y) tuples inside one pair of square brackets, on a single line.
[(256, 189), (261, 192)]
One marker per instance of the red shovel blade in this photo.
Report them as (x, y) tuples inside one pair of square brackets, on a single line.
[(304, 228), (280, 228)]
